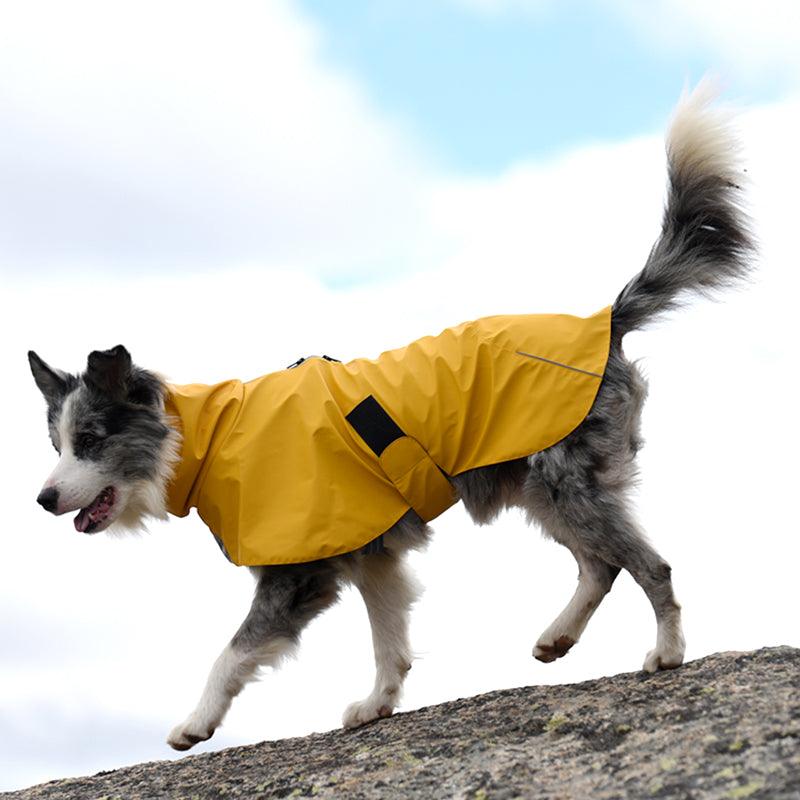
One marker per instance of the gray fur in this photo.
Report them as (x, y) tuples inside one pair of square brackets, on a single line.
[(117, 412), (125, 437), (54, 384), (287, 598)]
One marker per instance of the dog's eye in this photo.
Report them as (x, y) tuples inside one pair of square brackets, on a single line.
[(88, 440)]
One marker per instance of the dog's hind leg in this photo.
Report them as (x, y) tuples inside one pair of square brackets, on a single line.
[(616, 538), (388, 591), (287, 598), (654, 575), (595, 578), (579, 511)]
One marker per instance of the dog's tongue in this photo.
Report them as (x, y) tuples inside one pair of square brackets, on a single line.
[(96, 511), (83, 520)]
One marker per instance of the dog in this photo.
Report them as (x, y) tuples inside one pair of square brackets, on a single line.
[(119, 448)]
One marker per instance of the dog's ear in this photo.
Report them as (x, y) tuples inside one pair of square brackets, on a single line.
[(109, 371), (52, 383)]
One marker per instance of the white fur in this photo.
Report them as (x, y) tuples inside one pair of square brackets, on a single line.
[(567, 628), (389, 591), (78, 482), (232, 670), (700, 136), (670, 644)]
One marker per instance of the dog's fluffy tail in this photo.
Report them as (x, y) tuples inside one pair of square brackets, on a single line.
[(705, 243)]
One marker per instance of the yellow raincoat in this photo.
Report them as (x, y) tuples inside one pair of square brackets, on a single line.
[(323, 458)]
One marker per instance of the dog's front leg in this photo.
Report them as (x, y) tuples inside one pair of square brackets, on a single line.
[(388, 591), (234, 667), (286, 599)]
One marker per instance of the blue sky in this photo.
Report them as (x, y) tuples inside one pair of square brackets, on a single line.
[(484, 89)]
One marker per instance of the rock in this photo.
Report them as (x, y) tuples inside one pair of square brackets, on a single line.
[(725, 726)]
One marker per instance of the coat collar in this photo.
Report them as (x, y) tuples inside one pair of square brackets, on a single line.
[(203, 415)]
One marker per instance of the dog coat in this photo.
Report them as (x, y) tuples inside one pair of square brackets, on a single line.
[(323, 458)]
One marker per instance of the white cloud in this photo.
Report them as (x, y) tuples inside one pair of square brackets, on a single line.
[(159, 135), (746, 36)]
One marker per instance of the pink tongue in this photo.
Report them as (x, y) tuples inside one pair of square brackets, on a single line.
[(83, 520), (96, 512)]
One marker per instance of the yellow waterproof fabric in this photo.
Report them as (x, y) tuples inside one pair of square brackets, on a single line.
[(280, 476)]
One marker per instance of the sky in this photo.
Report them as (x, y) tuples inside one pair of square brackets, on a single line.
[(225, 189)]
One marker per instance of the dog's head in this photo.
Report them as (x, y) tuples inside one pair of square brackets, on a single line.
[(116, 450)]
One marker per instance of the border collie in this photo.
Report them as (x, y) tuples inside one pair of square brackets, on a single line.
[(118, 448)]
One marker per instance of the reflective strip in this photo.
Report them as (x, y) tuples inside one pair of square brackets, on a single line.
[(559, 364)]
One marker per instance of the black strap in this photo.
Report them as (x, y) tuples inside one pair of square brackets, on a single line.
[(419, 480), (374, 425), (375, 546), (378, 430), (305, 358)]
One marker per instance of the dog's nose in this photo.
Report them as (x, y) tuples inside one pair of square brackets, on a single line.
[(48, 499)]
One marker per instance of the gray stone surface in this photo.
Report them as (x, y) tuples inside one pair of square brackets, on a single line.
[(726, 726)]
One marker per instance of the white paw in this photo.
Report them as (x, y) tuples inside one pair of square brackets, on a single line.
[(364, 711), (188, 734), (665, 656), (548, 649)]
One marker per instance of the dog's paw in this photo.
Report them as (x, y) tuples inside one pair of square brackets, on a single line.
[(665, 657), (364, 711), (188, 734), (549, 650)]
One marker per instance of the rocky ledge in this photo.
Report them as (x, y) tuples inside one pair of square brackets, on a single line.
[(725, 726)]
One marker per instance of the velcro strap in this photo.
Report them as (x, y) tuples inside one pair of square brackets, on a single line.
[(374, 425), (403, 459)]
